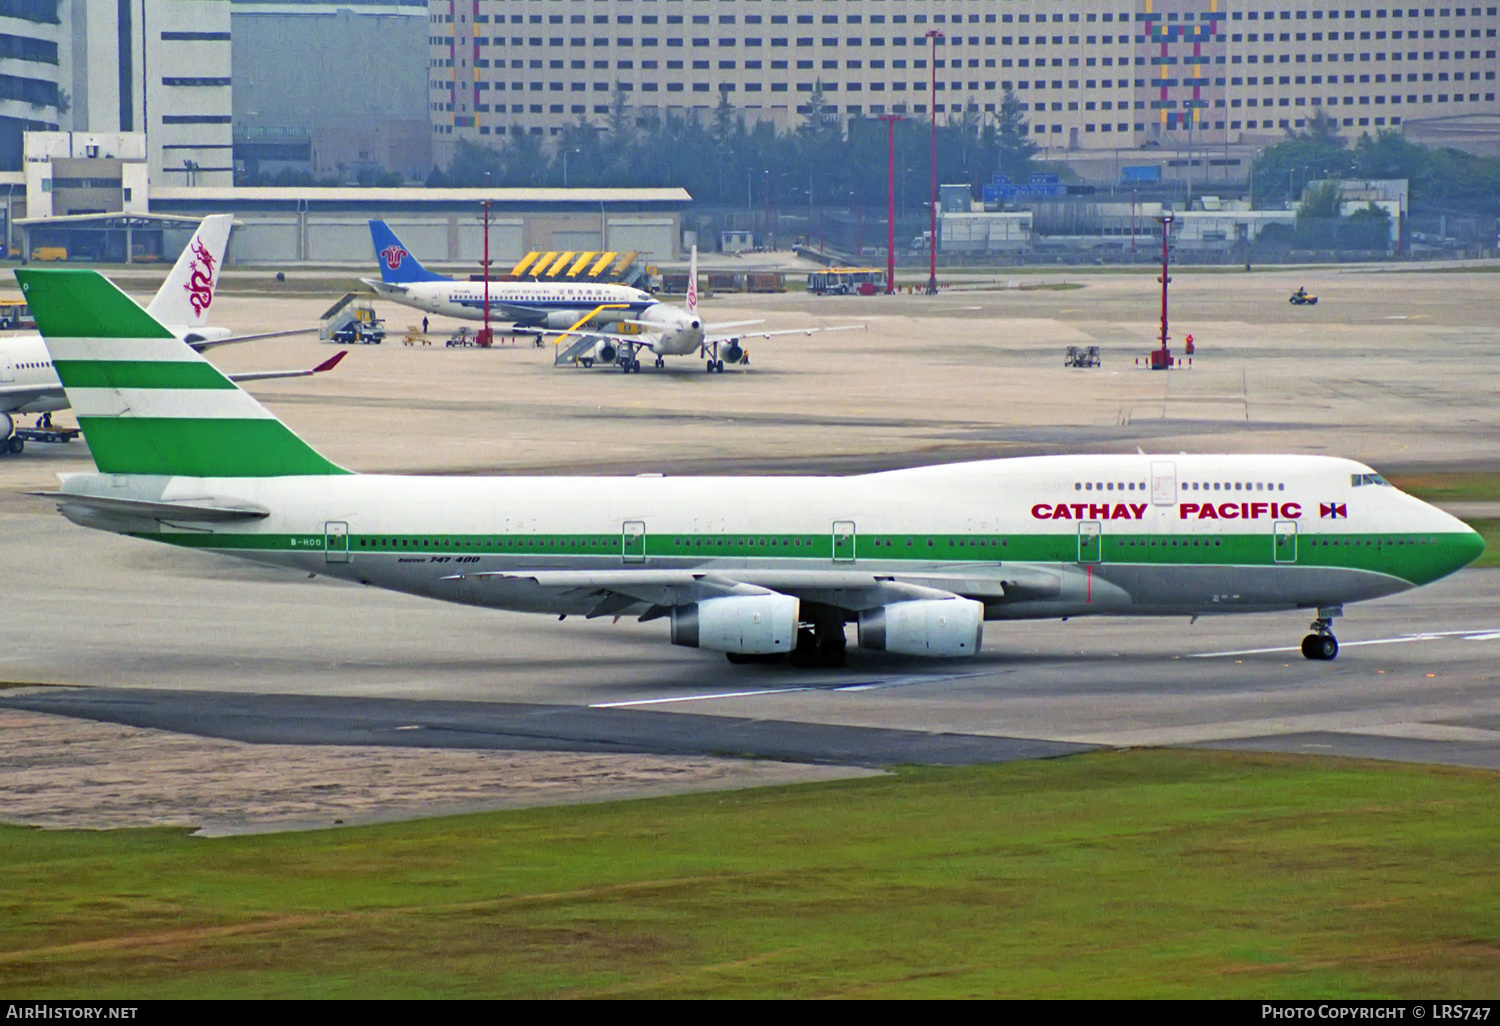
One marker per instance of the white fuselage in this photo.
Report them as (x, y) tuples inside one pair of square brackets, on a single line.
[(526, 304), (1031, 537), (28, 383), (672, 331)]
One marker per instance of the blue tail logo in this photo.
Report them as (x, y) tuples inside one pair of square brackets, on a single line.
[(397, 265)]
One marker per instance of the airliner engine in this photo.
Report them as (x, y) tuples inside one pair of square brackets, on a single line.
[(743, 624), (924, 627)]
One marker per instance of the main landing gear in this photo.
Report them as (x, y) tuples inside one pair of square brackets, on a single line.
[(733, 353), (1321, 644)]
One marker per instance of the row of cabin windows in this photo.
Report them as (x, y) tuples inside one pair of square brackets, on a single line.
[(1233, 486)]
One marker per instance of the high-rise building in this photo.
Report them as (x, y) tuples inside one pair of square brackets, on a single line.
[(335, 88), (1090, 74), (110, 66), (31, 94)]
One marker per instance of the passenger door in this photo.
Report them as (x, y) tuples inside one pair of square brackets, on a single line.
[(1090, 541), (633, 541), (1285, 545), (336, 542), (1163, 483), (843, 541)]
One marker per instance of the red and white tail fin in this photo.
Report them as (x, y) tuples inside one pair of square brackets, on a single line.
[(692, 296), (188, 292)]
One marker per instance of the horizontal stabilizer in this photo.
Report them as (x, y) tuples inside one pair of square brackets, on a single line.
[(208, 511)]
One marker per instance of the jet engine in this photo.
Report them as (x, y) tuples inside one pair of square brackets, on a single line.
[(561, 320), (744, 624), (924, 627), (606, 352), (7, 425), (731, 352)]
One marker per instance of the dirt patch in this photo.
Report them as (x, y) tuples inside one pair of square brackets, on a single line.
[(76, 774)]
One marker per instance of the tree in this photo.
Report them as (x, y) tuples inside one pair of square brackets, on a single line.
[(1318, 217), (1368, 229), (1014, 148)]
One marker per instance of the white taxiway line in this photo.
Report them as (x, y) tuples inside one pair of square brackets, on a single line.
[(1469, 635), (853, 685)]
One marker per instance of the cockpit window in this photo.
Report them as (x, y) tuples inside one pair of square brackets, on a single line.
[(1367, 479)]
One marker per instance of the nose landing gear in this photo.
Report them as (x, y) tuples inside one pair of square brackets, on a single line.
[(1321, 644)]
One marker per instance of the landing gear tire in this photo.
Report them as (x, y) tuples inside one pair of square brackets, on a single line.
[(718, 366), (709, 367), (624, 366), (820, 649), (1322, 647), (737, 658), (660, 363), (15, 444)]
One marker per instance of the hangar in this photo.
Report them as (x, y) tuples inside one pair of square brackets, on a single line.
[(328, 225)]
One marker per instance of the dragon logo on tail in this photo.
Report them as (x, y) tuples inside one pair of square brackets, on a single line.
[(200, 284)]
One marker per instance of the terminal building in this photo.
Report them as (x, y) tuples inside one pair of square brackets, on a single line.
[(1090, 74)]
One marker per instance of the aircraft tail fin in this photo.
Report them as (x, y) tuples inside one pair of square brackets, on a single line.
[(397, 265), (692, 293), (147, 403), (184, 298)]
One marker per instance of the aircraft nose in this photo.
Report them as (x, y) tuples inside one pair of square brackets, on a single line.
[(1467, 548)]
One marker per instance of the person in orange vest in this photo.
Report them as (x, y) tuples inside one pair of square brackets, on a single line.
[(1188, 344)]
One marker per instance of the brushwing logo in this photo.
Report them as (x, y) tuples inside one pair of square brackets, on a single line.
[(692, 295), (200, 285), (393, 256), (1333, 511)]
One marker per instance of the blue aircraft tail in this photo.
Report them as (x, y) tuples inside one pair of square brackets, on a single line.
[(397, 265)]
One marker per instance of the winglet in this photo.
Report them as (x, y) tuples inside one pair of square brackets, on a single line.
[(330, 363)]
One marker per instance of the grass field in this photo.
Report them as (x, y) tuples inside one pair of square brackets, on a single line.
[(1162, 873)]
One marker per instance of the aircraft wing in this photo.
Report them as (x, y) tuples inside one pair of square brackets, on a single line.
[(13, 397), (211, 343), (621, 591), (327, 365), (711, 339)]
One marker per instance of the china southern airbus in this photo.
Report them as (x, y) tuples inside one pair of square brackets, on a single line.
[(29, 383), (748, 566), (526, 304)]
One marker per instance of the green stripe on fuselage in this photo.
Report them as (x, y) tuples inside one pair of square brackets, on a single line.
[(1418, 559), (201, 447), (172, 374)]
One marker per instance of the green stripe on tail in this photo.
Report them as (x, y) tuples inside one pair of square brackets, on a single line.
[(166, 411)]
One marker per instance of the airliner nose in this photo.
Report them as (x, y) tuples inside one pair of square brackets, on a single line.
[(1467, 548)]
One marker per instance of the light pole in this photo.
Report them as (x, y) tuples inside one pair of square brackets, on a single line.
[(890, 201), (486, 337), (1162, 358), (933, 35), (565, 165)]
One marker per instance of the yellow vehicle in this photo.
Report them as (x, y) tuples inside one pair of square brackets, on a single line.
[(50, 253), (14, 313)]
